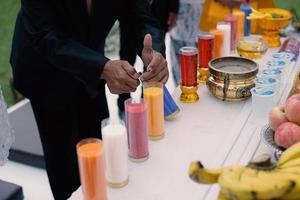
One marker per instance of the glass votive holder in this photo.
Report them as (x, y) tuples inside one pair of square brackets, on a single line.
[(273, 73), (90, 154), (269, 82), (115, 144), (262, 103), (205, 54), (137, 129), (154, 98), (287, 57), (189, 83), (279, 64)]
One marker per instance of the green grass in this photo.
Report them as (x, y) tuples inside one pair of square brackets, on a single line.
[(8, 12)]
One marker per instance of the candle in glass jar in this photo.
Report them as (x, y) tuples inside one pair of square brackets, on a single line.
[(205, 49), (90, 156), (188, 62), (218, 42), (115, 144), (153, 96), (240, 23), (137, 129), (232, 20), (225, 27)]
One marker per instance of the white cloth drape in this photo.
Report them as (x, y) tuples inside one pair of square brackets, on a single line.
[(6, 134)]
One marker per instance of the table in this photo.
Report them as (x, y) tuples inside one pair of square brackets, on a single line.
[(215, 132)]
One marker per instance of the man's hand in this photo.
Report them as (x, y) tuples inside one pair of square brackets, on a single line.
[(172, 20), (157, 66), (232, 3), (120, 76)]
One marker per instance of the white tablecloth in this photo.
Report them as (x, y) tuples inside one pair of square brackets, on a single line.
[(215, 132)]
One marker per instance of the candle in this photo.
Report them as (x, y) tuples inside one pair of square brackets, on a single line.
[(240, 22), (170, 107), (91, 167), (218, 43), (205, 49), (137, 129), (115, 144), (188, 62), (225, 27), (153, 95), (246, 8), (232, 20)]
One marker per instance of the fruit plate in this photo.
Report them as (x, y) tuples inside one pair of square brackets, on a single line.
[(267, 135)]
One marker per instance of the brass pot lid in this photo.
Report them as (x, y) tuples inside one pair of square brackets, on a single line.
[(233, 68)]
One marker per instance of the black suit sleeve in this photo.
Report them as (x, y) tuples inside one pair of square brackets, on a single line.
[(173, 6), (146, 23), (58, 48)]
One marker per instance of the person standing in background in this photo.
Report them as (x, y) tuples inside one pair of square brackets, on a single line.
[(166, 13), (184, 33)]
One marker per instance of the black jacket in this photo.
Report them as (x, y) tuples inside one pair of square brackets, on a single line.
[(57, 45), (161, 10)]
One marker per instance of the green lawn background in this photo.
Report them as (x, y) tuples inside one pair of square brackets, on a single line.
[(8, 12)]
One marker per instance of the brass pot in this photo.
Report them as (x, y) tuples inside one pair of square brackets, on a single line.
[(231, 78)]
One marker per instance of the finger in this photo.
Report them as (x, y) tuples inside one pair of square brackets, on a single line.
[(155, 62), (147, 76), (156, 74), (129, 81), (129, 69), (160, 76), (148, 42)]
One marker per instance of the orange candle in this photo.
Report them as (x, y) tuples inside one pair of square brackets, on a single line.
[(91, 167), (153, 96), (219, 37), (240, 22)]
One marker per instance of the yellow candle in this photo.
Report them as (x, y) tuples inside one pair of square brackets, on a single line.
[(240, 22), (153, 95)]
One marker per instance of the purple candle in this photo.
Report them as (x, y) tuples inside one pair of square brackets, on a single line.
[(232, 20), (137, 129)]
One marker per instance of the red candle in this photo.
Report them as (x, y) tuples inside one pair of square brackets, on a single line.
[(188, 61), (136, 123), (232, 20), (206, 48)]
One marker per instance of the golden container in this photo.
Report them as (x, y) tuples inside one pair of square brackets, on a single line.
[(270, 26), (231, 78)]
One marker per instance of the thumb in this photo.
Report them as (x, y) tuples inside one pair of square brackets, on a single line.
[(148, 42)]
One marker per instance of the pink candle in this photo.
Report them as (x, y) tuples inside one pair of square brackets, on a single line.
[(137, 129), (232, 20)]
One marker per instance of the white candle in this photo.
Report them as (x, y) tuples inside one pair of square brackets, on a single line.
[(225, 27), (116, 154)]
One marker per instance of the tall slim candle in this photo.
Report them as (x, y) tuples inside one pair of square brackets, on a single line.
[(218, 45), (153, 95), (246, 8), (240, 22), (91, 167), (116, 153), (137, 129), (225, 27), (232, 20)]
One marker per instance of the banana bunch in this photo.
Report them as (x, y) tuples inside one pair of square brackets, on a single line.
[(258, 15), (259, 180)]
